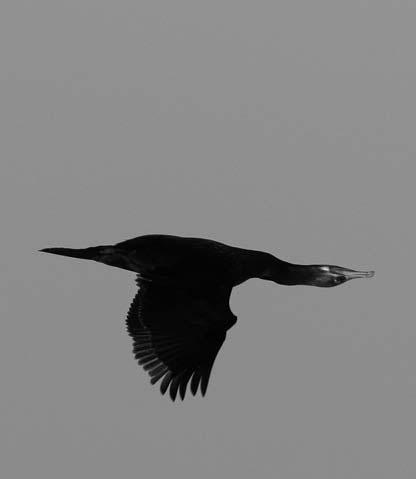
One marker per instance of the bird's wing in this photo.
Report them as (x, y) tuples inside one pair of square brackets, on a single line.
[(177, 332)]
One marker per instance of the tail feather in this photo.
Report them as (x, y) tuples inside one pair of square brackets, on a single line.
[(110, 255), (94, 253)]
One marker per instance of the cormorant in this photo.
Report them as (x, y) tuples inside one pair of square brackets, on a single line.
[(180, 314)]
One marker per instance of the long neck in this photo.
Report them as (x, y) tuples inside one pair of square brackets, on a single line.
[(263, 265), (292, 274)]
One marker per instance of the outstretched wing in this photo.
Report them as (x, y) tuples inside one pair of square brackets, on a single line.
[(177, 332)]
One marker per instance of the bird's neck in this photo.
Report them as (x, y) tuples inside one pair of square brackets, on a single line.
[(266, 266), (292, 274)]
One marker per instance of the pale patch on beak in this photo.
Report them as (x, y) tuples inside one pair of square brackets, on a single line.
[(330, 275), (351, 274)]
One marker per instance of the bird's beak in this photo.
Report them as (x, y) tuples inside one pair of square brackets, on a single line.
[(351, 274)]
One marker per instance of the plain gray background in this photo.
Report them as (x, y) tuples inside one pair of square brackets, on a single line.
[(286, 126)]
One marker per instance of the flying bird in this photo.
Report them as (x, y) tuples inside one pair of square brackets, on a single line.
[(180, 315)]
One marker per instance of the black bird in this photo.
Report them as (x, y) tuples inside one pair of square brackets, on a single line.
[(180, 314)]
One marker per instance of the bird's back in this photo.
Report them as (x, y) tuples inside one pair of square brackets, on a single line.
[(180, 258)]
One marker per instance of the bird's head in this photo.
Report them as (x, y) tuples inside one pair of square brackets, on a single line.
[(322, 275), (326, 276)]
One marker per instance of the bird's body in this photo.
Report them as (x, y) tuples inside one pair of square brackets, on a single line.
[(179, 317), (182, 260)]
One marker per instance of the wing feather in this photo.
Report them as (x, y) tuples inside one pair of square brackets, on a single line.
[(177, 333)]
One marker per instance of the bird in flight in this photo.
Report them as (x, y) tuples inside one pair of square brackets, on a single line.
[(180, 315)]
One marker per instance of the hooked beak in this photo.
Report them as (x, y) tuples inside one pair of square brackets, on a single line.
[(351, 274)]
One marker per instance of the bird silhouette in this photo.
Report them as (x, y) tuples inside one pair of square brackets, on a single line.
[(180, 315)]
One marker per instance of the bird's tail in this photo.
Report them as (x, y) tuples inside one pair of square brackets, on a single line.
[(94, 253), (110, 255)]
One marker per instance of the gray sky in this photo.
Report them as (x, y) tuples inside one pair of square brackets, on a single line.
[(284, 126)]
